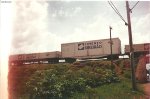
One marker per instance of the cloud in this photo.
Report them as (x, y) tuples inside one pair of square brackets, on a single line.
[(41, 26), (140, 28), (29, 23), (77, 10)]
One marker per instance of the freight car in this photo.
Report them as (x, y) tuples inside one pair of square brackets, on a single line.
[(139, 49), (72, 51), (91, 49), (49, 57)]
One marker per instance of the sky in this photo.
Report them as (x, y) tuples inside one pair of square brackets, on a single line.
[(42, 26)]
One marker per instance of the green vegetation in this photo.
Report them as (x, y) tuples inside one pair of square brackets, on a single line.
[(120, 90), (62, 81), (65, 81)]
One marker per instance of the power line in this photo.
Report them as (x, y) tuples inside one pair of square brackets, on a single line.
[(134, 5), (116, 10)]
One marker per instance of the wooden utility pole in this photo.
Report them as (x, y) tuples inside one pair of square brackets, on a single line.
[(131, 47), (111, 49)]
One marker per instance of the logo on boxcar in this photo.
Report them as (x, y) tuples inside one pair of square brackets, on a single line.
[(81, 46)]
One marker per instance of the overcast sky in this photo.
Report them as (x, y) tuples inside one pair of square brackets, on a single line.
[(41, 26)]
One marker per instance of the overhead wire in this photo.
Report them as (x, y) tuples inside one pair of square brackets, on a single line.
[(116, 10), (134, 6)]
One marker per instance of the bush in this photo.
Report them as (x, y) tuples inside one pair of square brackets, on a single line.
[(59, 80), (63, 80), (127, 74)]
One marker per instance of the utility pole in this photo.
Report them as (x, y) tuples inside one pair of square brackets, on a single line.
[(111, 49), (131, 47)]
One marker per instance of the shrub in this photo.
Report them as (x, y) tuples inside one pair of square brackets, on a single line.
[(127, 74), (60, 80)]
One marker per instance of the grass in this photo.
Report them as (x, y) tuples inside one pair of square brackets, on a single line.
[(121, 90)]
